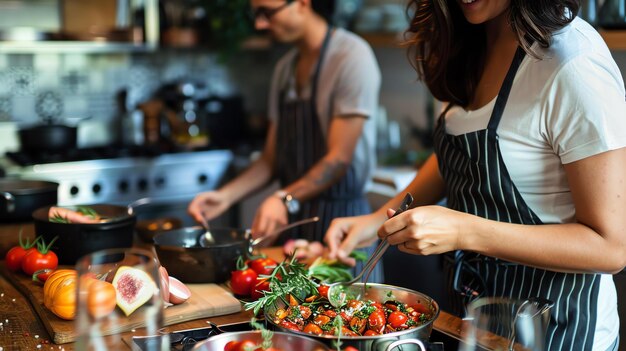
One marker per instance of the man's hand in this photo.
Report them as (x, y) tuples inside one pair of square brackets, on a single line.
[(271, 215), (207, 206)]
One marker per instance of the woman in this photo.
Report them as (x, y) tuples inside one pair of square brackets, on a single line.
[(530, 155)]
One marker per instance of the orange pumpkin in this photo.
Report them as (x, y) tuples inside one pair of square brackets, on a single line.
[(59, 293)]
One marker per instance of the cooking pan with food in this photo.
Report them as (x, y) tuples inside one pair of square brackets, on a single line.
[(280, 341), (107, 227), (410, 335)]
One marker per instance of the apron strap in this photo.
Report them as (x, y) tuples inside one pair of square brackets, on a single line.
[(503, 95), (318, 68)]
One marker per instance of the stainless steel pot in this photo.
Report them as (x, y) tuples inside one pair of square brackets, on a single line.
[(409, 339), (283, 341)]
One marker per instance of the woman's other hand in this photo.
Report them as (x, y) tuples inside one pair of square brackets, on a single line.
[(271, 215), (207, 206), (425, 230), (348, 233)]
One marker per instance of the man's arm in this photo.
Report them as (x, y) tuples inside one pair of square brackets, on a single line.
[(343, 136)]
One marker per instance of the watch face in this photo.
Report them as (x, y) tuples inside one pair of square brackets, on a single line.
[(293, 206)]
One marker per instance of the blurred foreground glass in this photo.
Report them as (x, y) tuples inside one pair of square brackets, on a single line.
[(118, 291), (506, 324)]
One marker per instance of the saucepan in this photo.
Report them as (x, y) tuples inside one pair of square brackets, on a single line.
[(280, 341), (187, 255), (408, 339), (21, 197)]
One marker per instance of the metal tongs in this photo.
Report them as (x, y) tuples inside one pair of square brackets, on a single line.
[(339, 292)]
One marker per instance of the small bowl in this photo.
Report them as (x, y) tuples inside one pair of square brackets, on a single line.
[(179, 252), (148, 228)]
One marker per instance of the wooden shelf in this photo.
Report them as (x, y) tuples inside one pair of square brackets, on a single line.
[(615, 39)]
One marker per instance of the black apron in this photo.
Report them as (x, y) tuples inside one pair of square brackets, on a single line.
[(300, 144), (478, 183)]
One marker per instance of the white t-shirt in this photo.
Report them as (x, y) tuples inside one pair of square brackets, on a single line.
[(563, 108), (348, 84)]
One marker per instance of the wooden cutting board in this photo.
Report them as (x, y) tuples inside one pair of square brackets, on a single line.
[(207, 300)]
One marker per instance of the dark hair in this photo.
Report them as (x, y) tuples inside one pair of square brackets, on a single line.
[(448, 52), (324, 8)]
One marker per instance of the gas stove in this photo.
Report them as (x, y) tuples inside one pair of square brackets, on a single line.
[(122, 176)]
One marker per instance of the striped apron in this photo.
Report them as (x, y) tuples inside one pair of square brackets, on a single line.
[(300, 144), (478, 183)]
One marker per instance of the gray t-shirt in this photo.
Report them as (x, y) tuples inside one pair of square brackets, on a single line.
[(349, 84)]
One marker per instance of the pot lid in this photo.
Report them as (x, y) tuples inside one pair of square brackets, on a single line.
[(26, 187)]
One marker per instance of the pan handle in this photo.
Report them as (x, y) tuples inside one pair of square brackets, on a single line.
[(401, 342), (10, 201)]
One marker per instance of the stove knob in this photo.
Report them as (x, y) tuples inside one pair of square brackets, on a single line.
[(96, 188), (142, 184), (123, 186), (160, 182), (74, 190), (202, 178)]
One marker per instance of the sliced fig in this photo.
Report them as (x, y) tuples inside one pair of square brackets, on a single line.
[(133, 288), (165, 284)]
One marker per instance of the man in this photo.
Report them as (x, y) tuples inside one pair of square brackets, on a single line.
[(320, 143)]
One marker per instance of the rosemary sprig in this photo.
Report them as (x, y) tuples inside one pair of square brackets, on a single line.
[(87, 211), (57, 218)]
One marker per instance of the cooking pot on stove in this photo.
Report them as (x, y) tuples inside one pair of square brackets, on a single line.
[(409, 338), (48, 138), (21, 197), (75, 240)]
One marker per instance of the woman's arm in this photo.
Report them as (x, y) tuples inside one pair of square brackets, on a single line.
[(596, 243)]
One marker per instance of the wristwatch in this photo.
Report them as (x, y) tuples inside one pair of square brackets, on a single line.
[(292, 204)]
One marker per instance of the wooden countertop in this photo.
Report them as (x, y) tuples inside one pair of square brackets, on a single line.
[(20, 328)]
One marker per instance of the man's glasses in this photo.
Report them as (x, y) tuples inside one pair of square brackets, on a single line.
[(267, 13)]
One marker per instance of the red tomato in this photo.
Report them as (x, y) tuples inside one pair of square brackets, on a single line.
[(242, 281), (377, 321), (38, 259), (246, 345), (263, 265), (260, 286), (370, 332), (350, 348), (14, 257), (231, 346), (289, 325), (42, 275), (323, 290), (421, 308), (397, 319)]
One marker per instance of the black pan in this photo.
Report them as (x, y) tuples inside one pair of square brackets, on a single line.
[(21, 197)]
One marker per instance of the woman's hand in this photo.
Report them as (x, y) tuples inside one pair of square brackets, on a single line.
[(425, 230), (271, 215), (346, 234), (208, 205)]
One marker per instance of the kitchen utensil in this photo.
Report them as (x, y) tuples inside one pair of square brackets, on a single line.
[(377, 293), (339, 292), (280, 340), (21, 197), (135, 279), (78, 239), (523, 322), (207, 238), (202, 239)]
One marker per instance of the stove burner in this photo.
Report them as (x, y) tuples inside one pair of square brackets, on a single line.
[(24, 158)]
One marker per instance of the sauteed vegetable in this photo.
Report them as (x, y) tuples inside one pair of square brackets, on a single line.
[(316, 316)]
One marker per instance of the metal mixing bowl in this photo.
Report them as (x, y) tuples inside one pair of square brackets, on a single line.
[(283, 341)]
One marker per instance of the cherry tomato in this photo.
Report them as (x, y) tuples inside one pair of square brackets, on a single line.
[(231, 346), (421, 308), (289, 325), (323, 290), (313, 329), (370, 332), (242, 281), (397, 319), (260, 286), (245, 345), (263, 265), (42, 275), (376, 321), (350, 348), (13, 258)]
